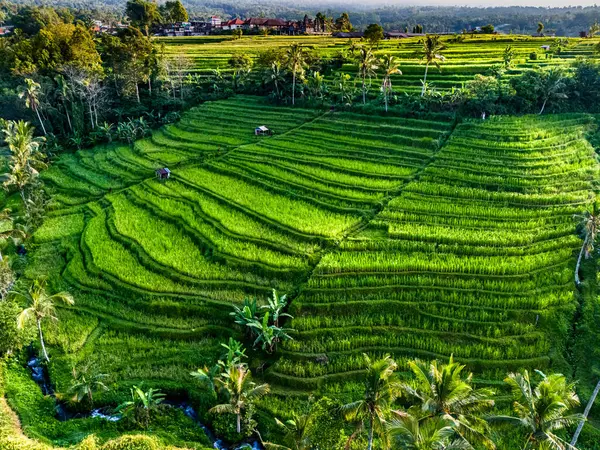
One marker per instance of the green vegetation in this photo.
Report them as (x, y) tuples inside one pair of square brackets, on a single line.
[(338, 218)]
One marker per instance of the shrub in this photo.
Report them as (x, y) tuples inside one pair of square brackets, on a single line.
[(132, 442)]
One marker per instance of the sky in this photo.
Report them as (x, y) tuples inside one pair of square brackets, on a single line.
[(485, 3)]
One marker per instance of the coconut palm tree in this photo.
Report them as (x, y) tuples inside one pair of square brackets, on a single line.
[(296, 433), (590, 225), (240, 391), (551, 86), (411, 432), (541, 409), (390, 66), (41, 307), (431, 54), (25, 156), (381, 389), (367, 65), (63, 93), (296, 62), (586, 412), (441, 390), (31, 93)]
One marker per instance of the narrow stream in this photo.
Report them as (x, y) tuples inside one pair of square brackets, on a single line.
[(40, 375)]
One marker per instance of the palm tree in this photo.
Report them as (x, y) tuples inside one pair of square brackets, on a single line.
[(390, 67), (25, 155), (442, 391), (432, 46), (381, 389), (409, 432), (297, 432), (296, 61), (274, 75), (551, 85), (31, 94), (541, 410), (367, 65), (240, 391), (590, 225), (41, 306), (142, 404), (586, 412), (63, 92), (84, 383)]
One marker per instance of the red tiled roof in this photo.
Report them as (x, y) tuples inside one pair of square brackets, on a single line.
[(255, 21), (275, 23)]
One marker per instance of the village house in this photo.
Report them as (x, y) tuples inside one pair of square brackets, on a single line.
[(233, 24)]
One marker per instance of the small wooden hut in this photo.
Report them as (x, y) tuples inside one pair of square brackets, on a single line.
[(163, 173), (262, 131)]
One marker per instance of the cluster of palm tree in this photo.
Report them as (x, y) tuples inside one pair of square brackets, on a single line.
[(265, 330), (231, 381), (445, 411)]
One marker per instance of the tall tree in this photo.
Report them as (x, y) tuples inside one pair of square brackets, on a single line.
[(343, 23), (374, 34), (239, 389), (296, 62), (142, 14), (411, 432), (431, 54), (174, 12), (381, 389), (441, 390), (31, 93), (63, 93), (25, 156), (41, 307), (367, 66), (540, 28), (390, 66), (541, 409)]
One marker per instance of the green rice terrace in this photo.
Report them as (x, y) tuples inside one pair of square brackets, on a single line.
[(470, 56), (415, 236)]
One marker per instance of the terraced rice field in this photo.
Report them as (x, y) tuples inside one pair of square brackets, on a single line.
[(156, 266), (474, 55), (474, 258), (390, 234)]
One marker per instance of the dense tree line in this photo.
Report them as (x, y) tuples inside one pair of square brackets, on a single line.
[(567, 21)]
